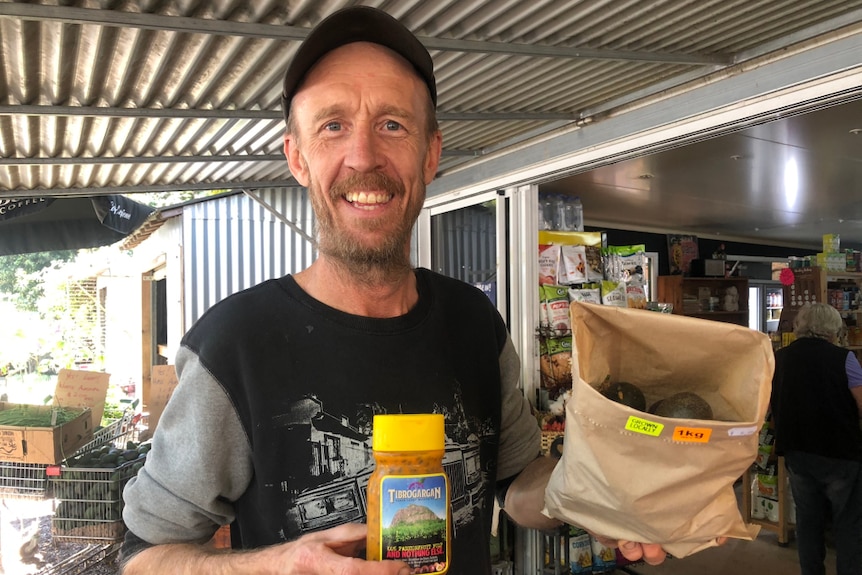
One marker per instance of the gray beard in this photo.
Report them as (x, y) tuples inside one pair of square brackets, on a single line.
[(370, 266)]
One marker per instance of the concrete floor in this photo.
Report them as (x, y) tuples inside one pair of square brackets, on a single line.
[(763, 556)]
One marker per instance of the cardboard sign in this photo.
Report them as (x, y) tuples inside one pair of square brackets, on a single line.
[(164, 380), (78, 388)]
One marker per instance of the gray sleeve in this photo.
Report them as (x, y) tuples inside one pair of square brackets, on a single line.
[(520, 436), (199, 464)]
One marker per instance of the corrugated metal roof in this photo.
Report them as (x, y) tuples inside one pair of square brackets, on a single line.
[(98, 96)]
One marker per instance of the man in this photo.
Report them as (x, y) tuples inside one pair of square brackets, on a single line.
[(268, 428), (816, 403)]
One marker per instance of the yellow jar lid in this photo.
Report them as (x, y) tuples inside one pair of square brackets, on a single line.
[(408, 432)]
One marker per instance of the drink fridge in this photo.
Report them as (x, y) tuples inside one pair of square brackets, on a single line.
[(765, 302)]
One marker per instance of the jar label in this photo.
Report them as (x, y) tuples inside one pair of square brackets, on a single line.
[(414, 521)]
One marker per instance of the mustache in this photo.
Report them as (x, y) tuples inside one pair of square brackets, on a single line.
[(366, 181)]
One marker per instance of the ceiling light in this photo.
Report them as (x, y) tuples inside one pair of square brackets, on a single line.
[(856, 131), (646, 177), (735, 157), (791, 182)]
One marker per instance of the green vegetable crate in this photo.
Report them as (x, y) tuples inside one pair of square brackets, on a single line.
[(29, 480), (42, 433), (89, 489)]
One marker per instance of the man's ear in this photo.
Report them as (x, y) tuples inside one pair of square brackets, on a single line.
[(432, 157), (294, 159)]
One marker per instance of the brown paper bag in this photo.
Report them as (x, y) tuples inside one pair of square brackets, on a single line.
[(630, 475)]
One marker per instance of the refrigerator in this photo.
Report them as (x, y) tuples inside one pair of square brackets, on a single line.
[(765, 302)]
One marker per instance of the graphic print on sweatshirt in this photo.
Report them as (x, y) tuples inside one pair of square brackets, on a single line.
[(333, 461)]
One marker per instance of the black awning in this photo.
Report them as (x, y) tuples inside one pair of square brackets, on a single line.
[(30, 225)]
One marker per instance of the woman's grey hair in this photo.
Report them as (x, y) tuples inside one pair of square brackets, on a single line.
[(818, 320)]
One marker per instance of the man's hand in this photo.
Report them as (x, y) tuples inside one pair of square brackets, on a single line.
[(651, 553), (334, 551)]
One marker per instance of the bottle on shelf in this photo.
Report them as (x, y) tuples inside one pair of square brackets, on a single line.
[(576, 219), (546, 213), (559, 212)]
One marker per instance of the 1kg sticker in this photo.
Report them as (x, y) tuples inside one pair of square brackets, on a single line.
[(692, 434)]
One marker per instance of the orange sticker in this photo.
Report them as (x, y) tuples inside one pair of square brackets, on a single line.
[(692, 434)]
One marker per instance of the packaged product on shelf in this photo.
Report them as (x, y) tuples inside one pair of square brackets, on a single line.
[(604, 557), (614, 293), (756, 509), (768, 508), (766, 442), (635, 296), (764, 452), (595, 270), (573, 265), (555, 365), (592, 243), (580, 552), (767, 436), (834, 262), (831, 243), (586, 294), (767, 483), (625, 265), (554, 309), (549, 263)]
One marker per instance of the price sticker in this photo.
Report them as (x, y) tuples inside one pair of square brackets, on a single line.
[(692, 434)]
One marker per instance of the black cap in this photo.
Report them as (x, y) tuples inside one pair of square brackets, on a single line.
[(356, 24)]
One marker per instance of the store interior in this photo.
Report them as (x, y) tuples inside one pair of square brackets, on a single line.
[(782, 181), (732, 194)]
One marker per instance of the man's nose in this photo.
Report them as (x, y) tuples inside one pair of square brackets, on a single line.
[(364, 152)]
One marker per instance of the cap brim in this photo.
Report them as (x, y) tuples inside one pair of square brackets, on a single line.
[(356, 24)]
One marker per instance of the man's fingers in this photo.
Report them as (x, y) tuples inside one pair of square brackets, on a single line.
[(651, 553), (347, 540), (631, 550)]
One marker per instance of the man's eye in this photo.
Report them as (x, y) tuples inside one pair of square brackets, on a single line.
[(392, 126), (332, 126)]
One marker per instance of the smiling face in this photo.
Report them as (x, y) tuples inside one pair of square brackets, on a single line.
[(359, 140)]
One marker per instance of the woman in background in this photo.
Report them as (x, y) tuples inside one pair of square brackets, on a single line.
[(816, 403)]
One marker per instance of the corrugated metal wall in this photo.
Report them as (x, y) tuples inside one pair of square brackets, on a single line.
[(465, 244), (235, 242), (178, 94)]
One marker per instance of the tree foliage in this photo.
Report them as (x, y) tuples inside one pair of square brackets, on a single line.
[(19, 279), (163, 199)]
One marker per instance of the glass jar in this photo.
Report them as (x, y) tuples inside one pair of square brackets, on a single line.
[(408, 494)]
